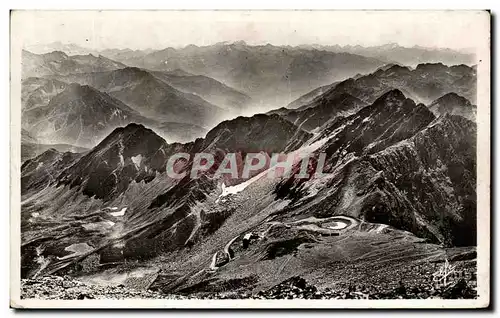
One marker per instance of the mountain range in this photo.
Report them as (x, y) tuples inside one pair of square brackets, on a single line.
[(59, 63), (410, 56), (340, 99), (454, 104), (207, 88), (79, 115), (424, 84), (151, 96), (144, 89), (384, 160), (307, 65), (385, 149), (268, 74)]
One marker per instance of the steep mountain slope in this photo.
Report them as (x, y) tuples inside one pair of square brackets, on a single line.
[(140, 89), (266, 133), (394, 190), (269, 74), (453, 104), (386, 160), (39, 172), (309, 97), (207, 88), (36, 92), (80, 116), (33, 149), (131, 162), (151, 96), (130, 153), (392, 171), (59, 63), (425, 83), (315, 114), (110, 162)]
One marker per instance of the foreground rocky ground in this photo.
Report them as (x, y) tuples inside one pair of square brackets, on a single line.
[(59, 288), (65, 288), (297, 287)]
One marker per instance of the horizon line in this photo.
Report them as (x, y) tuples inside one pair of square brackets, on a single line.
[(316, 46)]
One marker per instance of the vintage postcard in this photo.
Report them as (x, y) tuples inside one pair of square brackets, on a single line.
[(250, 159)]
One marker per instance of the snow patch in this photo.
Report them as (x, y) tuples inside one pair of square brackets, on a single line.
[(120, 244), (381, 228), (119, 213), (137, 160), (212, 263), (116, 113), (77, 249), (98, 226), (121, 147), (237, 188)]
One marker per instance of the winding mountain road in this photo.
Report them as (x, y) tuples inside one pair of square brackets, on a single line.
[(339, 224)]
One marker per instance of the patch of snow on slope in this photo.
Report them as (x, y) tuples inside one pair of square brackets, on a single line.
[(98, 226), (77, 249), (119, 213), (381, 228), (137, 160)]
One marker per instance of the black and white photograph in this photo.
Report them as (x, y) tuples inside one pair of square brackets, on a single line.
[(264, 159)]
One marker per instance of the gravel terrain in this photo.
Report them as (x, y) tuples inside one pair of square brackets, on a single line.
[(65, 288), (55, 287)]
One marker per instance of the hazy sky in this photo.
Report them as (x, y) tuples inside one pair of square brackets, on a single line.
[(160, 29)]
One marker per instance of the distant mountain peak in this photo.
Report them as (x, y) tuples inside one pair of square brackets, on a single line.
[(129, 153), (270, 133), (60, 63), (55, 55), (390, 46), (240, 43), (453, 104), (81, 89), (430, 66), (392, 95), (141, 133), (396, 68), (134, 127), (131, 70), (452, 97)]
